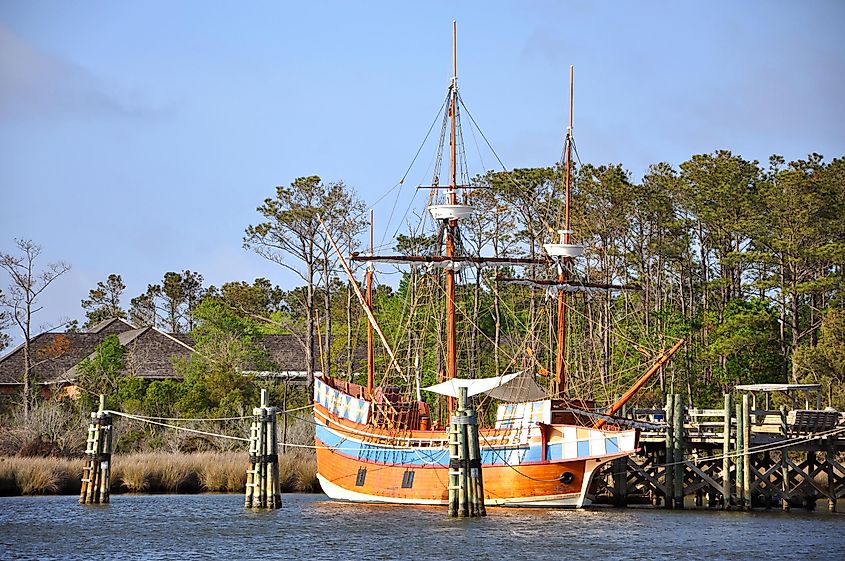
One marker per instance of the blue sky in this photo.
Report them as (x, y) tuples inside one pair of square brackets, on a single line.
[(139, 138)]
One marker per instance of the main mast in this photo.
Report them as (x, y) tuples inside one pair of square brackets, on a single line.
[(565, 234), (451, 335)]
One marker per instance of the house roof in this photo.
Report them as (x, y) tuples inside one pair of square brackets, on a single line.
[(56, 356), (150, 354), (52, 354)]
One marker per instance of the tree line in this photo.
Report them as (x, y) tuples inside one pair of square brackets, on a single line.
[(743, 260)]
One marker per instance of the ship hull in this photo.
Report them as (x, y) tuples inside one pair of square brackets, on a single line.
[(534, 465)]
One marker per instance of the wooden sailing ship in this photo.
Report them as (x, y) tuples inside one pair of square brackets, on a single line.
[(375, 444)]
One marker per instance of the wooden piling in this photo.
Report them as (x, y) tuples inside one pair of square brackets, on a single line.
[(738, 461), (746, 456), (466, 487), (784, 464), (476, 476), (669, 474), (810, 500), (96, 472), (454, 464), (262, 485), (463, 455), (727, 492), (678, 445), (830, 458)]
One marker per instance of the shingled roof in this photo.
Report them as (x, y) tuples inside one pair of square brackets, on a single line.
[(150, 354), (56, 356), (54, 353)]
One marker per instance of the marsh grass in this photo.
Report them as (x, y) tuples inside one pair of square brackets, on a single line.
[(39, 476), (154, 472)]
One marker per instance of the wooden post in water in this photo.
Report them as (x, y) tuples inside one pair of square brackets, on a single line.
[(746, 456), (784, 466), (738, 460), (727, 494), (96, 472), (262, 477), (810, 500), (466, 487), (463, 454), (669, 474), (454, 465), (829, 458), (678, 445), (477, 507)]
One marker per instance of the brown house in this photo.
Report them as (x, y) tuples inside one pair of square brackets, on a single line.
[(53, 354), (150, 353)]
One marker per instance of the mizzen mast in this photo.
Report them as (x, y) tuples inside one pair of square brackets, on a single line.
[(370, 349)]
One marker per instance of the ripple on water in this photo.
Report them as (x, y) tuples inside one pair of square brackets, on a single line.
[(165, 527)]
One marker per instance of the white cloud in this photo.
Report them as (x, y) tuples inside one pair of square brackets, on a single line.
[(36, 84)]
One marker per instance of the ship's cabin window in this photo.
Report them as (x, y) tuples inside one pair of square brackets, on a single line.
[(362, 476)]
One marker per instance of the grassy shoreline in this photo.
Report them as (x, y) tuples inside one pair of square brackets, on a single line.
[(153, 472)]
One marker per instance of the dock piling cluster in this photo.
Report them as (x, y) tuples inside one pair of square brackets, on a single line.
[(262, 478), (466, 486), (96, 472)]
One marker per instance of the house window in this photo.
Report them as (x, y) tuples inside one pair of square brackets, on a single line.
[(408, 479), (362, 475)]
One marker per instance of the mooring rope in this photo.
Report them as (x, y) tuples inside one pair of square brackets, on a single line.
[(176, 427)]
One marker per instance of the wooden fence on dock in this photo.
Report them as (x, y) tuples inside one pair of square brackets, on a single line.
[(731, 458)]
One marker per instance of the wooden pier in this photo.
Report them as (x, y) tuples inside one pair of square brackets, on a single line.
[(737, 457)]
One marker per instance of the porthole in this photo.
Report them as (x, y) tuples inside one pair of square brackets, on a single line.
[(567, 477)]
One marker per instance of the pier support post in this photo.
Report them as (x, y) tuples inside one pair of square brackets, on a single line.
[(829, 458), (810, 497), (727, 493), (746, 457), (784, 465), (678, 444), (96, 472), (738, 459), (669, 474), (262, 476)]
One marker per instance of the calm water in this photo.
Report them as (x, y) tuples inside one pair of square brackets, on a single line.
[(311, 527)]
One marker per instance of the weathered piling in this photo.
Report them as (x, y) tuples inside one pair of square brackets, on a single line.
[(454, 464), (727, 488), (96, 472), (466, 487), (678, 445), (477, 507), (740, 447), (784, 463), (262, 485), (669, 474), (830, 456), (746, 456)]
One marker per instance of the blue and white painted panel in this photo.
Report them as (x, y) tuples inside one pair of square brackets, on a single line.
[(523, 414), (341, 404)]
